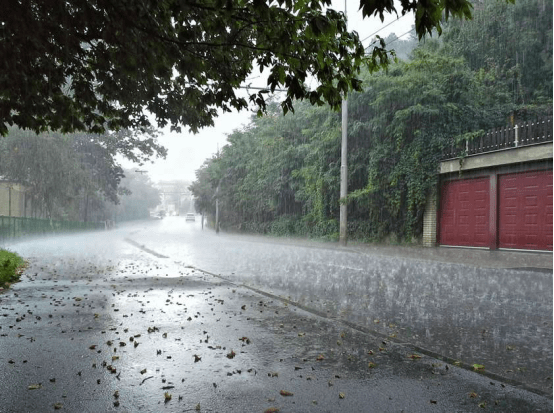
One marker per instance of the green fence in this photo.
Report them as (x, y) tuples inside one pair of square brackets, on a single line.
[(16, 227)]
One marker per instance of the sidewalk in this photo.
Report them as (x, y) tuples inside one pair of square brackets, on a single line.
[(536, 261), (477, 257)]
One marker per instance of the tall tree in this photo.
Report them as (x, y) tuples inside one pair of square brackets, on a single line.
[(511, 44), (137, 196), (47, 166), (203, 189), (91, 65), (73, 175)]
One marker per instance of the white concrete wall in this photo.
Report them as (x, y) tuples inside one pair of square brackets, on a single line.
[(430, 222)]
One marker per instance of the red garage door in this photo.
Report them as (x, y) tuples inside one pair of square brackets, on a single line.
[(525, 210), (464, 218)]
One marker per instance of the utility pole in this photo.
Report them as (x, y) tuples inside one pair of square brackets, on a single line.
[(217, 200), (343, 234), (217, 208)]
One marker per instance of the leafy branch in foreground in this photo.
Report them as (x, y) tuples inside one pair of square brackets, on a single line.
[(96, 65)]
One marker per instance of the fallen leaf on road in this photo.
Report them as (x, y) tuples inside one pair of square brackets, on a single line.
[(371, 365), (341, 396), (271, 410), (58, 406), (167, 397), (478, 367), (285, 393), (320, 357), (414, 356), (35, 386), (231, 355)]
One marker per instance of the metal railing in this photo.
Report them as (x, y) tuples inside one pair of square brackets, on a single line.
[(17, 227), (509, 137)]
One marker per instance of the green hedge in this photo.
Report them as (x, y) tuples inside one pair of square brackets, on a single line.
[(9, 264)]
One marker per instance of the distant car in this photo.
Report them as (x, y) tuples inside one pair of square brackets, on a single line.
[(190, 218)]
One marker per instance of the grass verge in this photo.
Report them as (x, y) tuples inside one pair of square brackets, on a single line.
[(11, 267)]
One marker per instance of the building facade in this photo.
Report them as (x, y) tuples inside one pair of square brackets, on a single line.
[(14, 201), (497, 196)]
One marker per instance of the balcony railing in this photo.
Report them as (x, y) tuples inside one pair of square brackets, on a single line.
[(509, 137)]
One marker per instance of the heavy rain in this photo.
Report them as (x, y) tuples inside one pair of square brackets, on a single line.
[(190, 222)]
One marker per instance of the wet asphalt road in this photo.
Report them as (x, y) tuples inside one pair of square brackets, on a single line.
[(495, 317), (95, 314)]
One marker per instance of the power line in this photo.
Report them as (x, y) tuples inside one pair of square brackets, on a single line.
[(384, 27), (397, 38), (260, 88), (402, 35)]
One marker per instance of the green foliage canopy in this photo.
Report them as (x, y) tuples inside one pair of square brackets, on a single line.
[(511, 43), (62, 171), (97, 65), (397, 129), (137, 196)]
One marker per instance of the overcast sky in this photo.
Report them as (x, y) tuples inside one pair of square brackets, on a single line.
[(186, 151)]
